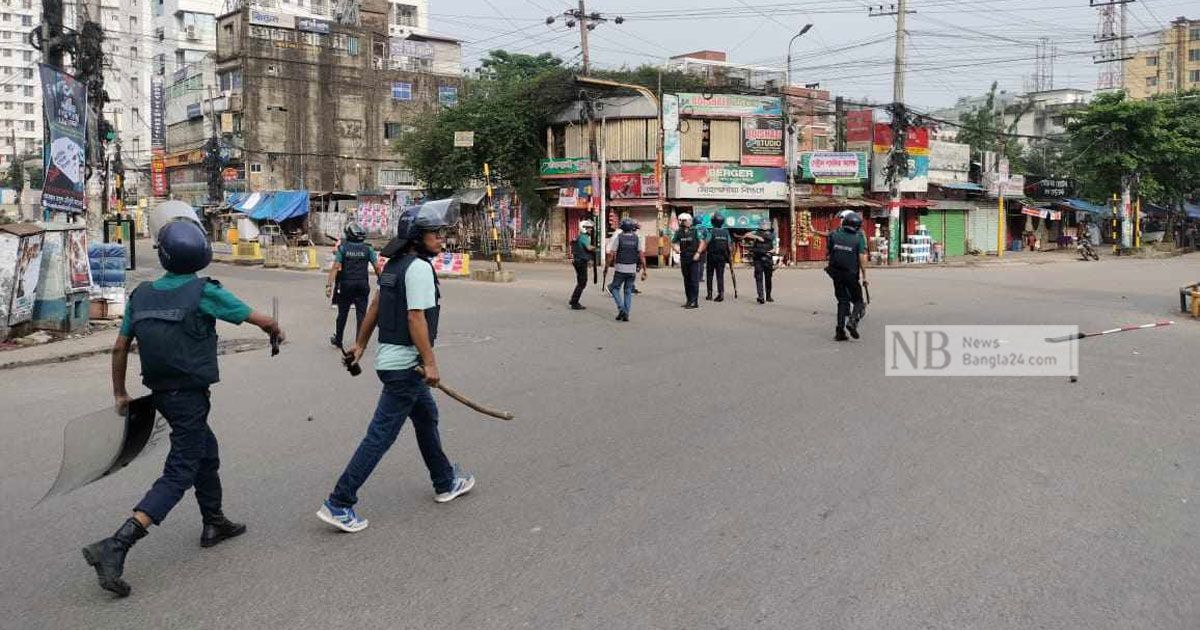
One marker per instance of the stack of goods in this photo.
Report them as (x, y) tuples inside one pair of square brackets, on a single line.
[(108, 263), (919, 248)]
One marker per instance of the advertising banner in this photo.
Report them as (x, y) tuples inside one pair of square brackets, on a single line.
[(711, 181), (29, 271), (827, 167), (672, 157), (564, 166), (859, 125), (158, 173), (631, 186), (78, 265), (916, 144), (730, 105), (65, 105), (762, 142), (452, 264)]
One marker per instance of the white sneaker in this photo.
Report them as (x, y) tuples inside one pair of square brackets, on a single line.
[(345, 519), (462, 485)]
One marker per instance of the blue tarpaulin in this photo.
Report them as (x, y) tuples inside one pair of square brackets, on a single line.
[(275, 206), (1192, 210), (1084, 206)]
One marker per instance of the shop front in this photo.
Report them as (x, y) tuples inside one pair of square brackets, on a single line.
[(816, 217), (744, 195), (947, 224)]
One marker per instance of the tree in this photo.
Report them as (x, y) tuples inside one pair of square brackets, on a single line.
[(984, 129), (1113, 140)]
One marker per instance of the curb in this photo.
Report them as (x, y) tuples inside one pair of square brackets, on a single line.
[(226, 346)]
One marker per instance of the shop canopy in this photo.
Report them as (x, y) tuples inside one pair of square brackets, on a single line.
[(277, 206), (1084, 206)]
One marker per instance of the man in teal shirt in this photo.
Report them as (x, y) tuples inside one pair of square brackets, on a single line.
[(583, 253)]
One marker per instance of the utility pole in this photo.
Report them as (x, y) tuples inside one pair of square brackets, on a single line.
[(790, 149), (899, 123), (213, 154), (20, 167), (583, 38), (839, 118)]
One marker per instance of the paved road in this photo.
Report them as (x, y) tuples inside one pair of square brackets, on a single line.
[(724, 468)]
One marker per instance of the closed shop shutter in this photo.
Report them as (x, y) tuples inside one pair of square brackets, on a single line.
[(982, 230), (935, 222), (956, 232)]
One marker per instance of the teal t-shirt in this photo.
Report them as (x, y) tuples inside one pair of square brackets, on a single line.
[(374, 258), (421, 294), (216, 302), (585, 240)]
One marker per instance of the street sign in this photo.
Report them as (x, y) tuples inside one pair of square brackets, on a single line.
[(464, 139)]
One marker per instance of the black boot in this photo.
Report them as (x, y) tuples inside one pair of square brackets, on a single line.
[(218, 528), (108, 556), (840, 335)]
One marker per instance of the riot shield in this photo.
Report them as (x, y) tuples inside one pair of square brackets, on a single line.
[(103, 442)]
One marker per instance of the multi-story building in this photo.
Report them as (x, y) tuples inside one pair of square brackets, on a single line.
[(20, 86), (127, 71), (1170, 65), (715, 68), (318, 105), (1033, 115)]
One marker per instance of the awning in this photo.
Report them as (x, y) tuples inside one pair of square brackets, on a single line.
[(960, 186), (276, 206), (1084, 206), (471, 196), (821, 201)]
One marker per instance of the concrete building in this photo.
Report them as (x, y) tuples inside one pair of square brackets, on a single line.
[(20, 86), (127, 71), (318, 105), (1040, 114), (1169, 66), (715, 67)]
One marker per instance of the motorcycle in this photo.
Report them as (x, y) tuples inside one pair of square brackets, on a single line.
[(1086, 251)]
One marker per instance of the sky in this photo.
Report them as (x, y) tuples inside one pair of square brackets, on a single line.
[(955, 47)]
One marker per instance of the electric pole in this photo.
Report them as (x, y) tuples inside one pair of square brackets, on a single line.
[(586, 22), (212, 154), (899, 125)]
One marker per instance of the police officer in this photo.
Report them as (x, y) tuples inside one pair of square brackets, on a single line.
[(847, 262), (582, 255), (406, 310), (626, 254), (173, 320), (720, 251), (349, 283), (762, 248), (690, 247)]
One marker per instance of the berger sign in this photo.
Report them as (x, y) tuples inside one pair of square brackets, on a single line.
[(711, 181)]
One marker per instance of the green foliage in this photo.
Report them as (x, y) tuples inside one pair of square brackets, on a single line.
[(15, 177), (983, 128), (509, 108)]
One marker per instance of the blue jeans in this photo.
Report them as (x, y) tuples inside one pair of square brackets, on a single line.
[(405, 395), (622, 280), (193, 461)]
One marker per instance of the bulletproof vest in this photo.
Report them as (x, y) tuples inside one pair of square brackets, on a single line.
[(688, 242), (581, 252), (718, 243), (627, 249), (355, 259), (393, 303), (176, 342), (763, 248), (844, 248)]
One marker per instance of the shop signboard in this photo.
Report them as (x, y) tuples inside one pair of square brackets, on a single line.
[(564, 166), (631, 186), (729, 105), (261, 17), (313, 25), (712, 181), (859, 125), (827, 167), (916, 144), (64, 101), (762, 141), (1050, 188)]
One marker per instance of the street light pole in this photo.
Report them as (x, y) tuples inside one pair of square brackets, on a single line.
[(791, 131)]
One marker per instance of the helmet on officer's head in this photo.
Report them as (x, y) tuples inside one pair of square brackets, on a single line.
[(852, 222), (417, 221), (685, 218), (586, 225), (169, 211), (183, 247), (355, 233), (628, 225), (717, 219)]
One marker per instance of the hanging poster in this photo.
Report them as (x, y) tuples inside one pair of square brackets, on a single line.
[(78, 266), (65, 103), (670, 122), (29, 269), (762, 142)]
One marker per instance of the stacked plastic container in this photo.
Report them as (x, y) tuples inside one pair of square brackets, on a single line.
[(919, 248), (108, 262)]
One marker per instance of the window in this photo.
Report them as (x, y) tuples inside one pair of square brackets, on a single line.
[(230, 81), (396, 177), (448, 95), (1195, 34), (7, 17), (1151, 82), (1194, 76), (8, 104), (28, 73), (5, 34), (27, 55), (178, 58), (352, 46), (133, 52), (1194, 54), (158, 33), (26, 20), (255, 167), (29, 91), (28, 4), (391, 130), (404, 15), (28, 125), (7, 52), (134, 85), (8, 89), (1152, 61), (402, 91), (28, 108)]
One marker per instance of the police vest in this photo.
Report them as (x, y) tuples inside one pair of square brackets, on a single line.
[(176, 342), (762, 249), (627, 249), (688, 243), (581, 252), (844, 248), (355, 259), (718, 244), (393, 303)]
